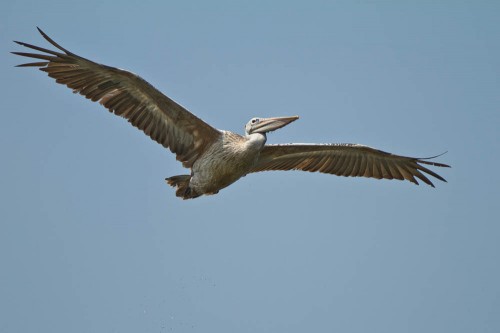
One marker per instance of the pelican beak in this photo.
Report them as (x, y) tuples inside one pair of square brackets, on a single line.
[(270, 124)]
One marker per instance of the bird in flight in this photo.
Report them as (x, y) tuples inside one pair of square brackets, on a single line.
[(217, 158)]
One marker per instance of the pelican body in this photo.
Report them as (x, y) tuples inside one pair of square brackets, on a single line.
[(227, 159), (216, 158)]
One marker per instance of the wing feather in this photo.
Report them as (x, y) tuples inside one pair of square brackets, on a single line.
[(129, 96), (349, 166), (394, 171), (348, 160)]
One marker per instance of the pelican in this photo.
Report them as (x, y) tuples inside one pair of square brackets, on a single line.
[(217, 158)]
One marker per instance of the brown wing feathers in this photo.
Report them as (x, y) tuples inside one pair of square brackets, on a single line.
[(349, 160), (128, 96)]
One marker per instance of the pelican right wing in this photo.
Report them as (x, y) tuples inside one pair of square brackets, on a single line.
[(129, 96), (345, 159)]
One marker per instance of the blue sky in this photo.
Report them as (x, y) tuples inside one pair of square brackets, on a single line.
[(93, 240)]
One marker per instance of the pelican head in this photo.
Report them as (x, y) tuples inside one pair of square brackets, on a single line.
[(264, 125)]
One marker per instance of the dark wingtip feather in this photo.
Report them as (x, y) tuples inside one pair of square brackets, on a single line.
[(52, 42), (34, 55), (38, 48), (424, 160), (442, 165), (34, 64), (425, 179)]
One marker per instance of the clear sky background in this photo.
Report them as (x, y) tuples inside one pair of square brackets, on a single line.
[(93, 240)]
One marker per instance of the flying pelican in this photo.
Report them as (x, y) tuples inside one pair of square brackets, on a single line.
[(216, 158)]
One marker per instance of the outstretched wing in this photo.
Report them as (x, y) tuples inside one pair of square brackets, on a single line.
[(345, 159), (129, 96)]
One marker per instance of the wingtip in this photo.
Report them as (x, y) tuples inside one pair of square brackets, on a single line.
[(425, 160), (51, 41), (42, 33), (21, 43), (432, 157)]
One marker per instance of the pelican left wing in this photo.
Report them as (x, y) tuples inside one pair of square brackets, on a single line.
[(129, 96), (345, 159)]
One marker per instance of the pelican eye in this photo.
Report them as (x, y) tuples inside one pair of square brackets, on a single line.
[(255, 120)]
